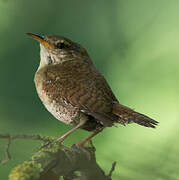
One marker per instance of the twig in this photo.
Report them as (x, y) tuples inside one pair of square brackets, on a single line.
[(8, 156), (112, 169), (26, 136), (19, 136)]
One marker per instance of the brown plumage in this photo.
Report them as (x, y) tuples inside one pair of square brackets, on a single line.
[(74, 91)]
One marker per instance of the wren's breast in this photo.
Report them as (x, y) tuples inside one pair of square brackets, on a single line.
[(55, 104)]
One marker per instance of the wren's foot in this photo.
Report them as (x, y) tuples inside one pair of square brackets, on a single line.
[(80, 144), (83, 142), (81, 123), (61, 139), (79, 148)]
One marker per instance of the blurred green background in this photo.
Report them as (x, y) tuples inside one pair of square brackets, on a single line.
[(135, 44)]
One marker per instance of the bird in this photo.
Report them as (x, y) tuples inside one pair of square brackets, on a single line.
[(75, 92)]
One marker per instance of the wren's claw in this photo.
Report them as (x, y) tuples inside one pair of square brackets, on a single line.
[(81, 123), (60, 140), (83, 142), (80, 149)]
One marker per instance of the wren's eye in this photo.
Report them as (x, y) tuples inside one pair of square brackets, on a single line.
[(61, 45)]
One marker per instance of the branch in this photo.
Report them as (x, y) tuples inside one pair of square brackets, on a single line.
[(26, 136), (7, 154), (54, 160), (19, 136)]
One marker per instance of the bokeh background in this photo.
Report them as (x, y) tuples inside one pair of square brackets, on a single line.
[(135, 44)]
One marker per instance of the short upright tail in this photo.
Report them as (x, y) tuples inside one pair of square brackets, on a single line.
[(127, 115)]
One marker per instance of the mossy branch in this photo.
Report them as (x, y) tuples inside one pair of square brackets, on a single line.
[(53, 160)]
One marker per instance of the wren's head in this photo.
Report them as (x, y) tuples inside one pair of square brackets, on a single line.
[(56, 49)]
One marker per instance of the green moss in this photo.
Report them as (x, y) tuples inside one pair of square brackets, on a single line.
[(52, 147), (48, 138), (29, 170)]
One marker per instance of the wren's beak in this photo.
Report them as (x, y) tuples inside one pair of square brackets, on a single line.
[(41, 40)]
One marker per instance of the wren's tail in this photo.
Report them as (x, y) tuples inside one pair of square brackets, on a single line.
[(127, 115)]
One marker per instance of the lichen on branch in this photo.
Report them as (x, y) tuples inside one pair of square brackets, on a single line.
[(54, 160)]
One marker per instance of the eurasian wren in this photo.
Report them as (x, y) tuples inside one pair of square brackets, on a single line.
[(75, 92)]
